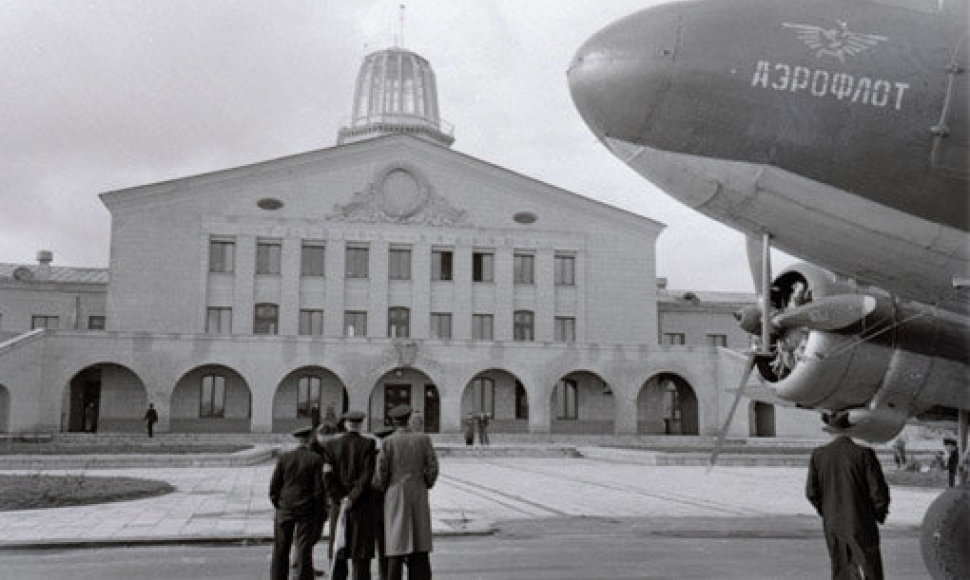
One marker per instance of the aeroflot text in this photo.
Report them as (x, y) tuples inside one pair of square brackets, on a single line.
[(822, 83)]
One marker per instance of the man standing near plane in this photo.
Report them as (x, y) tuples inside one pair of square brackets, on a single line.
[(847, 487), (351, 457), (407, 468)]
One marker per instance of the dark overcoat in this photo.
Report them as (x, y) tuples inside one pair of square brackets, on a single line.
[(407, 467), (296, 487), (351, 457)]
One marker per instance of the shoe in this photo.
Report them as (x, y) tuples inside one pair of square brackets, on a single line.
[(319, 572)]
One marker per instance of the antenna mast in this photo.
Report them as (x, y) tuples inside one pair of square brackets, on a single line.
[(402, 26)]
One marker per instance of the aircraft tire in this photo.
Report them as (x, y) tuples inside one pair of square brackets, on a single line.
[(945, 535)]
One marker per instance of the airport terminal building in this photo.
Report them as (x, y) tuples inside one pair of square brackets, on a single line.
[(387, 269)]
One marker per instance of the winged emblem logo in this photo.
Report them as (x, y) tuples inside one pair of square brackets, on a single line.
[(835, 42)]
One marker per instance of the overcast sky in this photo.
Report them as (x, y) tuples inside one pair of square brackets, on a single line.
[(101, 95)]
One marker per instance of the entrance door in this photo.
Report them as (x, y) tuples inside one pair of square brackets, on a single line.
[(432, 409), (395, 395), (91, 401)]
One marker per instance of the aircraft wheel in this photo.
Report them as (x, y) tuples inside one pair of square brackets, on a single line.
[(945, 535)]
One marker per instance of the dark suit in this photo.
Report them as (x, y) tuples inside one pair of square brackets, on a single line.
[(297, 492), (352, 459), (847, 487)]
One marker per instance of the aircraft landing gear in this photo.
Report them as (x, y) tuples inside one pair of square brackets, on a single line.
[(945, 535)]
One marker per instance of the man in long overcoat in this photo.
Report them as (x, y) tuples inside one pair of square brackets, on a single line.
[(847, 487), (407, 467), (297, 492), (351, 457)]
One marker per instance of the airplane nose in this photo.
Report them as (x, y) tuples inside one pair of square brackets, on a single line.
[(619, 76)]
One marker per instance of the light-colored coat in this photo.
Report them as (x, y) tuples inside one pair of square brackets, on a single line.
[(407, 467)]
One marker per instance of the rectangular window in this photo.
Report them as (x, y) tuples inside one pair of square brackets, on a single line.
[(441, 265), (266, 319), (398, 322), (524, 269), (483, 267), (212, 399), (673, 338), (564, 270), (222, 255), (95, 322), (218, 321), (482, 327), (395, 395), (566, 400), (311, 322), (523, 329), (565, 329), (313, 259), (399, 264), (42, 321), (268, 255), (355, 323), (717, 339), (440, 325), (307, 396), (357, 261)]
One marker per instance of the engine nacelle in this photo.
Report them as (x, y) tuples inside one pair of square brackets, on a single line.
[(859, 349)]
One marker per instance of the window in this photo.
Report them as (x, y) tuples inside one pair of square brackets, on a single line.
[(482, 326), (564, 270), (355, 323), (565, 329), (218, 321), (566, 400), (268, 257), (311, 322), (483, 393), (399, 264), (523, 327), (212, 396), (266, 319), (673, 338), (307, 396), (222, 255), (95, 322), (441, 265), (398, 322), (313, 259), (524, 269), (357, 257), (42, 321), (483, 267), (440, 325), (717, 339)]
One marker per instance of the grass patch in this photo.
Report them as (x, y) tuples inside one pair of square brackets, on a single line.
[(36, 491)]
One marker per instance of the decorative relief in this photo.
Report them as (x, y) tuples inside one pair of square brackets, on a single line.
[(399, 195)]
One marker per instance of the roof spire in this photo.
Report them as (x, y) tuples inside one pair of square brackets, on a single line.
[(401, 30)]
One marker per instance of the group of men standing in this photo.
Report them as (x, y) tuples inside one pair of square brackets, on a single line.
[(376, 499)]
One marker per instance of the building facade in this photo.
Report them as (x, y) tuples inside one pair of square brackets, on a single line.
[(389, 269)]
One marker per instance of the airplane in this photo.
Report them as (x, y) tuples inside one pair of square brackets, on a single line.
[(836, 131)]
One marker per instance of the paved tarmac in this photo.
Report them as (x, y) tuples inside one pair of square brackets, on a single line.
[(473, 494)]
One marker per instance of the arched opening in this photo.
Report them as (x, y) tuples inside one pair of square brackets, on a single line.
[(582, 403), (4, 409), (306, 391), (211, 399), (502, 397), (405, 386), (761, 419), (104, 398), (667, 405)]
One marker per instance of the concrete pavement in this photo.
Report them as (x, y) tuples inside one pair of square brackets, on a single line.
[(230, 504)]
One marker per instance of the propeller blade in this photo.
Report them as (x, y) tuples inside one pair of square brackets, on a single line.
[(752, 246), (828, 313), (719, 441)]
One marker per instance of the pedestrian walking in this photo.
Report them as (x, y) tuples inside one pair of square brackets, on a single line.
[(407, 468), (483, 428), (297, 492), (469, 429), (847, 487), (952, 460), (899, 452), (151, 417), (352, 457)]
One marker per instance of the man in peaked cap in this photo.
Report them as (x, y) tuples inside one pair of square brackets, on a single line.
[(298, 494), (351, 456), (407, 468)]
